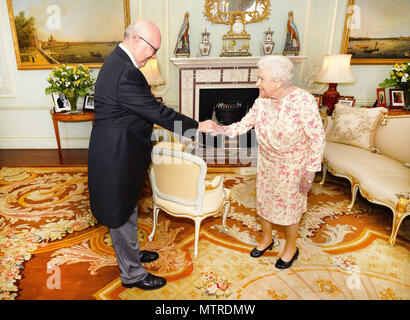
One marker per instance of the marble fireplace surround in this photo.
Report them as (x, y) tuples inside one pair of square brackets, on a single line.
[(214, 73)]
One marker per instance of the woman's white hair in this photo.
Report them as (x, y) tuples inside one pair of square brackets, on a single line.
[(279, 67)]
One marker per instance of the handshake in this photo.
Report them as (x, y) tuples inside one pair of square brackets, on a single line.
[(209, 126)]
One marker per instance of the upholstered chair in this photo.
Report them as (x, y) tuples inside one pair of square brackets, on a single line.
[(179, 187)]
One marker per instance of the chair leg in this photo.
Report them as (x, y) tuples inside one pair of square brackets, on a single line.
[(227, 207), (197, 228), (398, 216), (324, 171), (354, 188), (154, 222)]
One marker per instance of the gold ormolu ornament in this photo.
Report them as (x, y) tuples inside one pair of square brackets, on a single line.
[(236, 40), (236, 13)]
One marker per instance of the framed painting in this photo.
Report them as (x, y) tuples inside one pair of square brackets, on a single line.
[(61, 103), (348, 101), (381, 97), (397, 100), (88, 104), (377, 32), (51, 32)]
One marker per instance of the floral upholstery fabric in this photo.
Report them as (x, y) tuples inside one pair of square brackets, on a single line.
[(355, 126)]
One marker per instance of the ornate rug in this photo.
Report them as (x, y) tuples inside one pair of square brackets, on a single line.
[(51, 247)]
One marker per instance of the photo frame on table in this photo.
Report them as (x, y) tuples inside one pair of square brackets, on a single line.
[(381, 97), (61, 103), (373, 34), (397, 100), (346, 100), (318, 98), (47, 33), (88, 104)]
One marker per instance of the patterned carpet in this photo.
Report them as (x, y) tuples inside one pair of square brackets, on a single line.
[(52, 248)]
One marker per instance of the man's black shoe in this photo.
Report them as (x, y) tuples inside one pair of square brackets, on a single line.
[(150, 282), (148, 256)]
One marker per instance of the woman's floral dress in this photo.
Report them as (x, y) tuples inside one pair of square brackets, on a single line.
[(291, 141)]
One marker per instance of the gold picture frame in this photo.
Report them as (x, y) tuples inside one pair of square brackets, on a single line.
[(52, 32), (371, 34)]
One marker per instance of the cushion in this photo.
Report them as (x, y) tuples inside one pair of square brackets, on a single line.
[(392, 138), (380, 176), (211, 204), (355, 126)]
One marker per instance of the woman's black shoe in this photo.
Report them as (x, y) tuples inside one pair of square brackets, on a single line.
[(280, 264), (255, 253)]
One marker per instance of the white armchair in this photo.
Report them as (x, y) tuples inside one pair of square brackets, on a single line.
[(179, 187)]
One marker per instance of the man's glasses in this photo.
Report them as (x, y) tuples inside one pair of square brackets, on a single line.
[(155, 49)]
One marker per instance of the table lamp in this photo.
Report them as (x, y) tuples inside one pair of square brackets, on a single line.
[(152, 74), (335, 69)]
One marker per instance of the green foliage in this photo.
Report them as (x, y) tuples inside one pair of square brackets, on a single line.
[(399, 77), (70, 81), (25, 29)]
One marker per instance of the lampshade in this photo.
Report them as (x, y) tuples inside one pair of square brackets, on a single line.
[(151, 73), (336, 69)]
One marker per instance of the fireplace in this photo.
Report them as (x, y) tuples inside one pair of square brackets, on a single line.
[(233, 79), (226, 106)]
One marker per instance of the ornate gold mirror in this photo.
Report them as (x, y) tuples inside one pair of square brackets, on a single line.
[(236, 13), (225, 11)]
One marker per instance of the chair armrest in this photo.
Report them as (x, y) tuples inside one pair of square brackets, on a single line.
[(215, 183), (170, 146)]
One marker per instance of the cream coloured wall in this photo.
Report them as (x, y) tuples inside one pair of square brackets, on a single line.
[(24, 108)]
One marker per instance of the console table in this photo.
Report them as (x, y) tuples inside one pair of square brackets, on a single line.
[(394, 112), (398, 112), (68, 117)]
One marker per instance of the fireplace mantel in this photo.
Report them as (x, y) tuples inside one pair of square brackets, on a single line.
[(224, 61), (214, 72)]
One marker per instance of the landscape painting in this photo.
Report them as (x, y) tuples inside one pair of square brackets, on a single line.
[(377, 33), (51, 32)]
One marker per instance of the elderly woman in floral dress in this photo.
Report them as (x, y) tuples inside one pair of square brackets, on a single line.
[(291, 142)]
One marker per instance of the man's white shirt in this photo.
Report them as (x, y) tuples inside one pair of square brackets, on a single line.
[(129, 54)]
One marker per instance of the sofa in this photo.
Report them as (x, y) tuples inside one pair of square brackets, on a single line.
[(372, 151)]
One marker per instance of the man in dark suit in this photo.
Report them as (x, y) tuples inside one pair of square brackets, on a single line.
[(120, 147)]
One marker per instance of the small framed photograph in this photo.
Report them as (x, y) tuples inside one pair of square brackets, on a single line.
[(88, 103), (397, 99), (381, 97), (318, 98), (61, 103), (346, 100)]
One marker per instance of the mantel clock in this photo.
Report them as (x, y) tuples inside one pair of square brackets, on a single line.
[(236, 40), (236, 13)]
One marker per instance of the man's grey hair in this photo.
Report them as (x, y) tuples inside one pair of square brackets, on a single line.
[(130, 31), (279, 67)]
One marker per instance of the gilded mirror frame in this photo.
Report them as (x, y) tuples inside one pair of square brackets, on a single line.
[(215, 15)]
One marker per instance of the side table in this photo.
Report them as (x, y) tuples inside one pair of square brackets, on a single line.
[(68, 117), (398, 112)]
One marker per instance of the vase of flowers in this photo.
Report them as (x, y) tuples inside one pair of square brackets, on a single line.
[(399, 78), (71, 81)]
